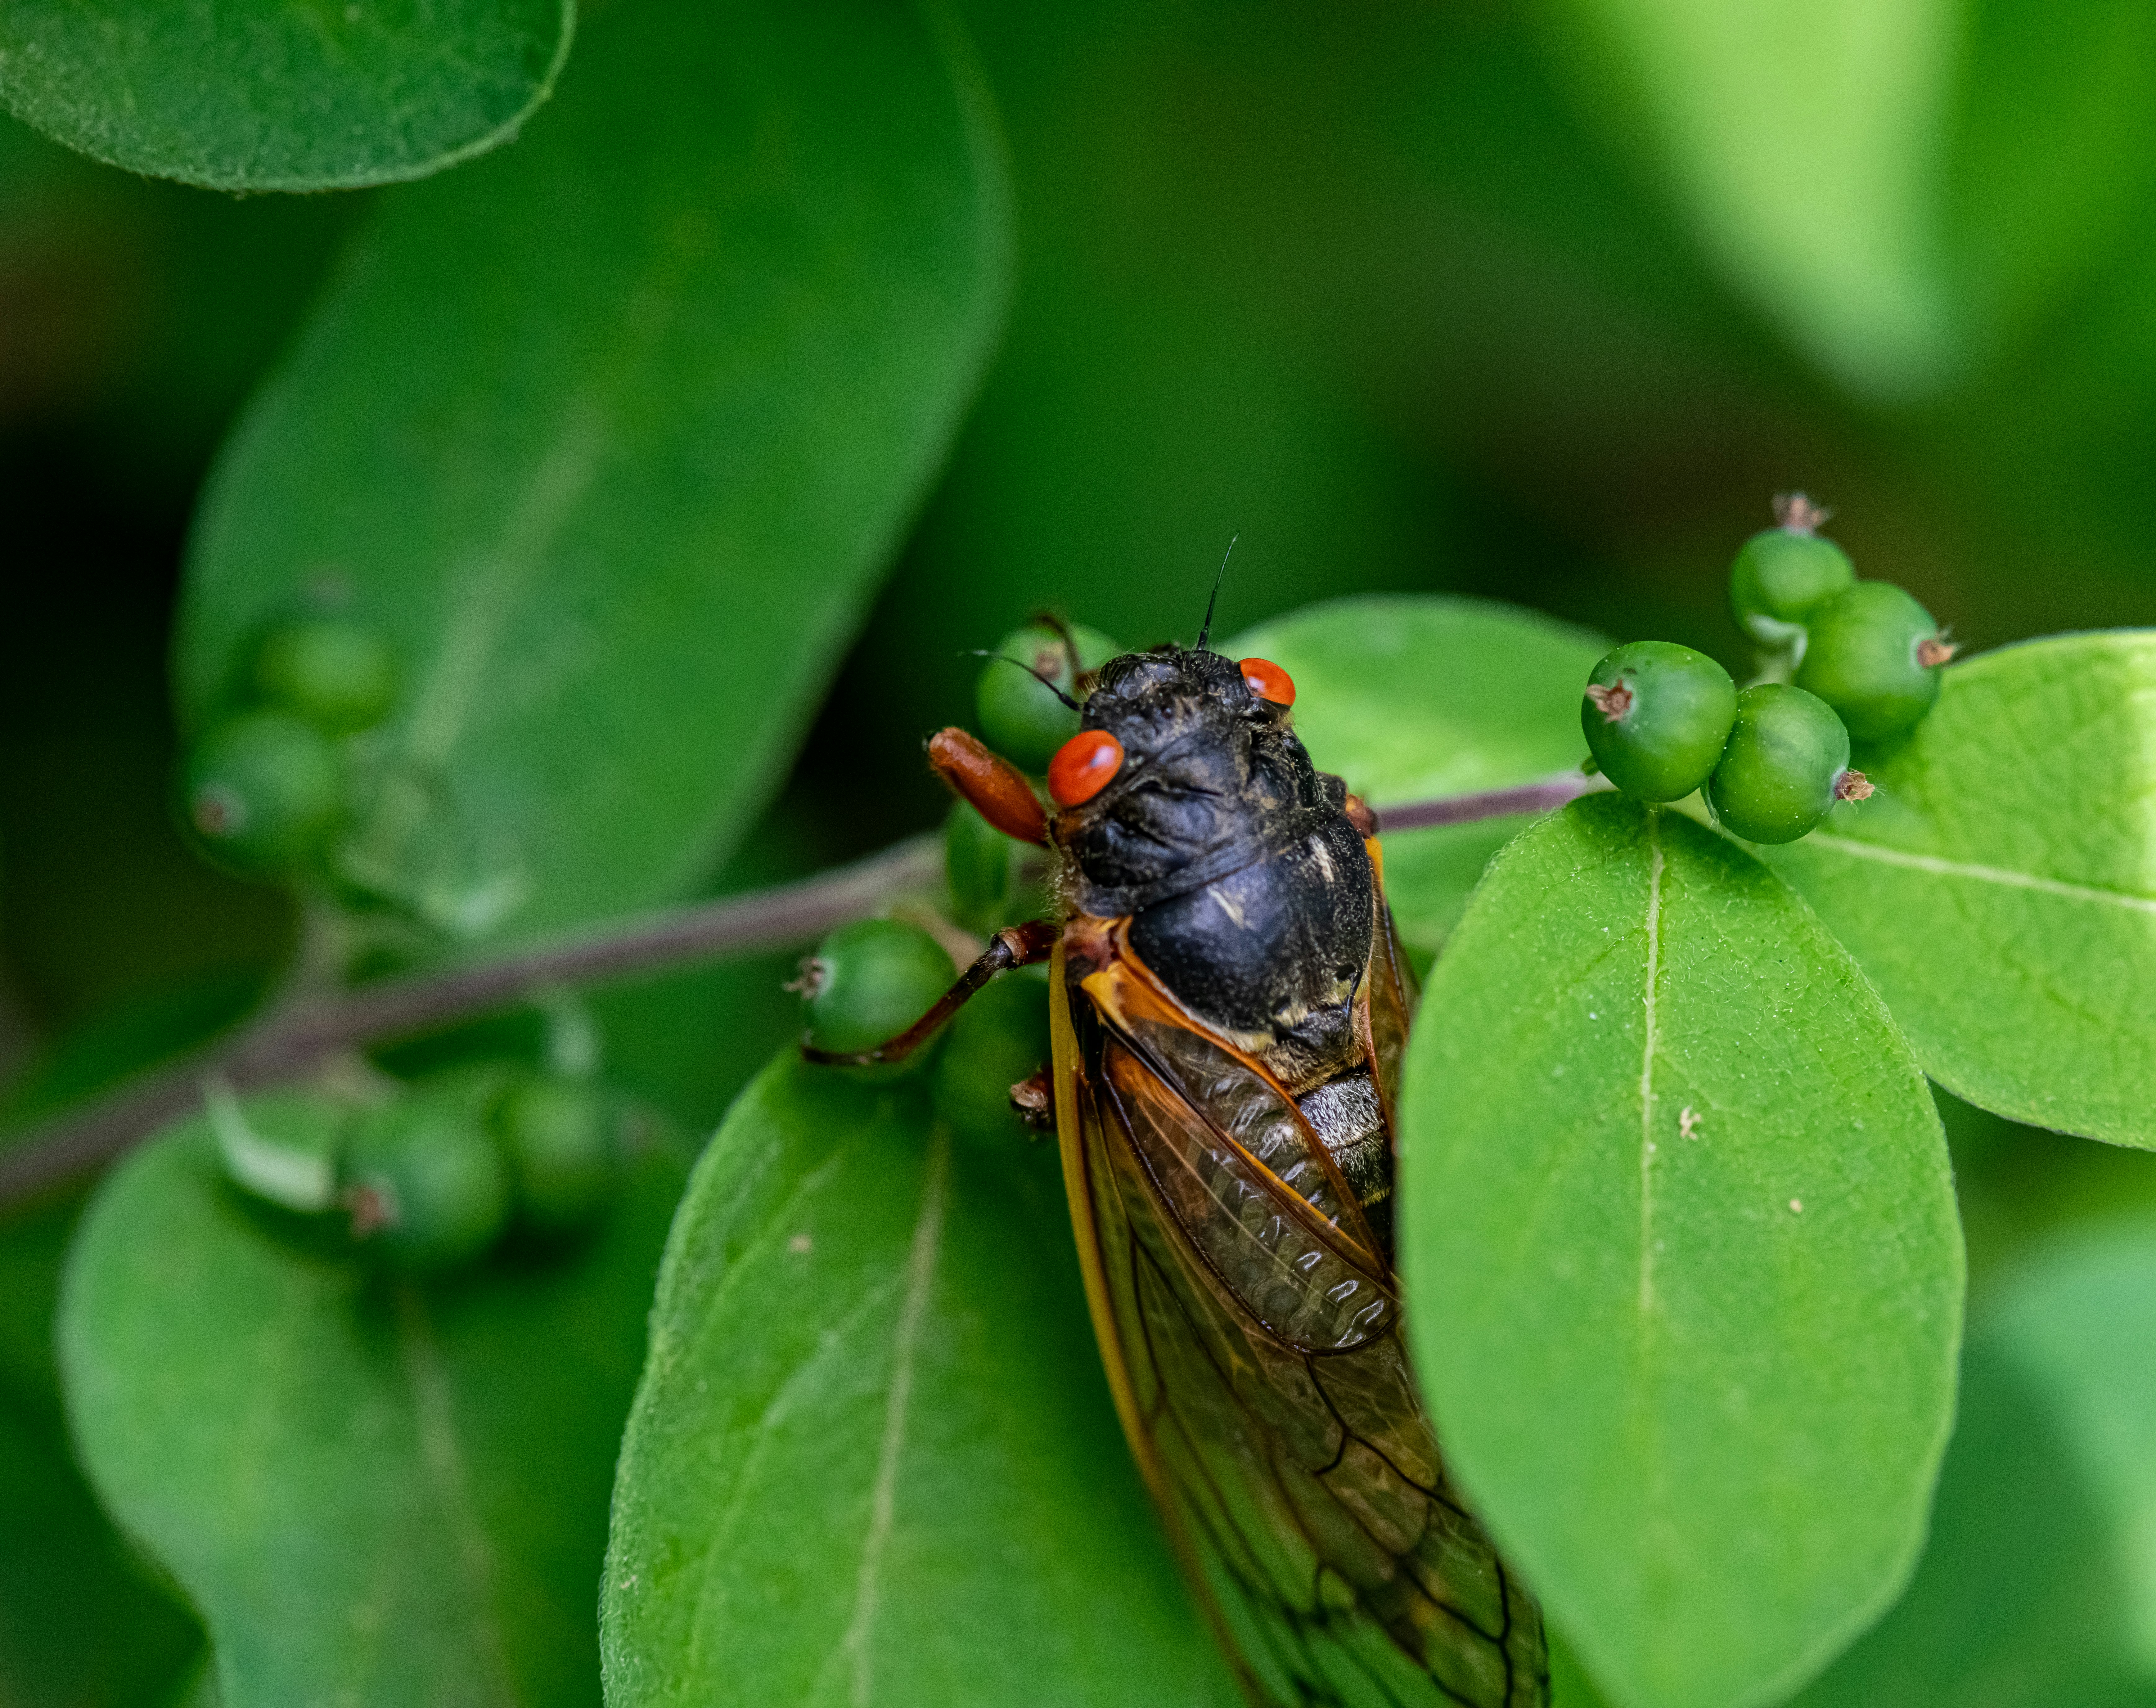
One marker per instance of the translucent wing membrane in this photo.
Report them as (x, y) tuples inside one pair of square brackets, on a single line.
[(1391, 995), (1279, 1425), (1282, 1257)]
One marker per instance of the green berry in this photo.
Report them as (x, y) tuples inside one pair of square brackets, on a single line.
[(1874, 656), (1655, 715), (558, 1136), (1020, 718), (980, 864), (868, 982), (262, 792), (1779, 577), (334, 672), (997, 1040), (1786, 764), (426, 1184)]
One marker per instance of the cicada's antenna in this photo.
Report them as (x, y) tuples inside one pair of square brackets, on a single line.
[(1205, 628), (1047, 682)]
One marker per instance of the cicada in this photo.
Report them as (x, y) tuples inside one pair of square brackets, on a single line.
[(1231, 1004)]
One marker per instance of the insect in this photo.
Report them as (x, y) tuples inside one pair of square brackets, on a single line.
[(1230, 1006)]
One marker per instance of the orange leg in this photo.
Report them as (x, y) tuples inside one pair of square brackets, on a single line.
[(996, 788)]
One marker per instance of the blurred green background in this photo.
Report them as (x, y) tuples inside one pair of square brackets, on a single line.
[(1540, 303)]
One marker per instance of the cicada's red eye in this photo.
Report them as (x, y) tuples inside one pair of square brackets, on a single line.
[(1268, 681), (1083, 766)]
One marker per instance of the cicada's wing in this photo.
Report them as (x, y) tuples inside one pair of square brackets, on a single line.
[(1284, 1439), (1389, 993)]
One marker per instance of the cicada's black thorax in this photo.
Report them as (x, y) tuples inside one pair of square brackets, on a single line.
[(1247, 888)]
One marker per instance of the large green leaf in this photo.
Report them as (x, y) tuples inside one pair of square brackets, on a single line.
[(1679, 1227), (611, 435), (2039, 1584), (1805, 143), (2001, 888), (1415, 696), (374, 1493), (243, 94), (873, 1460), (79, 1622)]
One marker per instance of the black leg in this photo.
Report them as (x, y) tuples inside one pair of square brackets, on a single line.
[(1013, 946)]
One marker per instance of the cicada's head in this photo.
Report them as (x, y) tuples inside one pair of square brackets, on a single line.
[(1186, 766)]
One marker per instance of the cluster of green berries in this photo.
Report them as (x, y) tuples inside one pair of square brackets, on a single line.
[(266, 782), (1858, 658), (869, 981), (438, 1174)]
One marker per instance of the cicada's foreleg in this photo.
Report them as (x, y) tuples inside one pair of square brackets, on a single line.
[(990, 783), (1013, 946)]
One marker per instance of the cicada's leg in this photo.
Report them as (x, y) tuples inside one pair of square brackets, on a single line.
[(1013, 946), (995, 788)]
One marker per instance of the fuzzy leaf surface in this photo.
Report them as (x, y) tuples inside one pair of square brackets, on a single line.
[(872, 1458), (374, 1493), (1412, 696), (2001, 888), (240, 94), (611, 435), (1679, 1228)]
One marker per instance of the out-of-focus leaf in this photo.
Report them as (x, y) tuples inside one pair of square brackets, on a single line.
[(2001, 888), (242, 94), (79, 1622), (611, 435), (2039, 1585), (872, 1458), (1414, 696), (1680, 1228), (373, 1492), (1805, 140), (2054, 148)]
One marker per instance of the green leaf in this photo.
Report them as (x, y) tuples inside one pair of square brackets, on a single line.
[(611, 435), (872, 1458), (1679, 1229), (241, 94), (1999, 888), (1417, 696), (80, 1624), (1805, 141), (2039, 1585), (373, 1493)]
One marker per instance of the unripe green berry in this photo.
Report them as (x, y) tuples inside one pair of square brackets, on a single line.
[(559, 1138), (334, 672), (1781, 575), (1786, 763), (1655, 715), (1874, 656), (262, 791), (1020, 718), (426, 1184), (998, 1040), (869, 981), (980, 864)]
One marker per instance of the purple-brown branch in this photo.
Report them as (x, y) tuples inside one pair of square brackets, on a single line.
[(290, 1042)]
